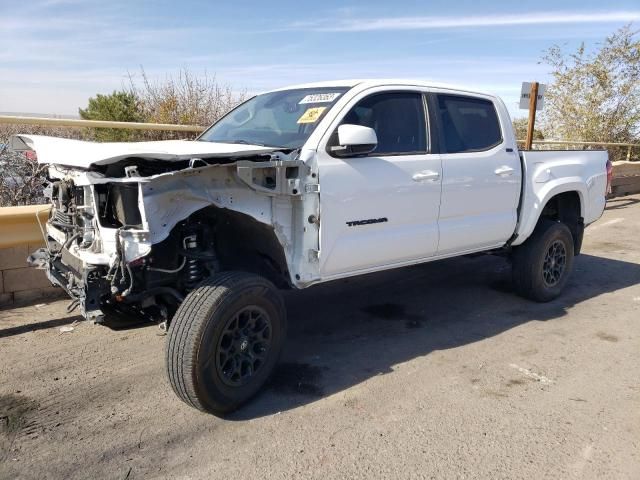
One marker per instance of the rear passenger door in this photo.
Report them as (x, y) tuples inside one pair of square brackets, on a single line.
[(481, 175)]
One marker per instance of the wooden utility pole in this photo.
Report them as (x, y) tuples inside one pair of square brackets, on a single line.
[(533, 104)]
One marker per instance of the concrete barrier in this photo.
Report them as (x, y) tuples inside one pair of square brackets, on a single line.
[(19, 225), (626, 178), (20, 235), (20, 283)]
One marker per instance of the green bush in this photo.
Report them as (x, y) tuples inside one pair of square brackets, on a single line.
[(115, 107)]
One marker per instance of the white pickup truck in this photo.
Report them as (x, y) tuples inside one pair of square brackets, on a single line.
[(296, 187)]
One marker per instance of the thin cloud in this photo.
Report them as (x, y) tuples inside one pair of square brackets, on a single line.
[(431, 23)]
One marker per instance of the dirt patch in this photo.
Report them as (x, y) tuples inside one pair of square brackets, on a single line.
[(14, 410), (528, 352), (607, 337), (495, 394), (515, 381)]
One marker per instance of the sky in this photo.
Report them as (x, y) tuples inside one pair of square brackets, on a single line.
[(55, 54)]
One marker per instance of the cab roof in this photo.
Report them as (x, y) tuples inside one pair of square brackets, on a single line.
[(381, 82)]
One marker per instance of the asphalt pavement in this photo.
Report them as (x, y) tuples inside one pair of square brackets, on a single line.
[(432, 371)]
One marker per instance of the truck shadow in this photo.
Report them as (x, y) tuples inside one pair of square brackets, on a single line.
[(345, 332), (621, 202), (40, 325)]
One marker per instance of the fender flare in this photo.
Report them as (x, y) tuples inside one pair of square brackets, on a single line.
[(534, 203)]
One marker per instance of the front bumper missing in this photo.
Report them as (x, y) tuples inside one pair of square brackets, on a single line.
[(84, 285)]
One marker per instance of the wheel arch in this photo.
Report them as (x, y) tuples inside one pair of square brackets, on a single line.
[(567, 207), (243, 243), (564, 203)]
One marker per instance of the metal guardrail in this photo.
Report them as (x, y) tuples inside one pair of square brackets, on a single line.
[(68, 122), (578, 142), (630, 146), (22, 225)]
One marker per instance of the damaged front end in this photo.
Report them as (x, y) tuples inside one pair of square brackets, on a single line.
[(133, 236), (71, 227), (98, 248)]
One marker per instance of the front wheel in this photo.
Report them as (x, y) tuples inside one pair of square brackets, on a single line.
[(225, 340), (543, 263)]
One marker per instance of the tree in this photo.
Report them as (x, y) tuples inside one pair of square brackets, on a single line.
[(520, 128), (117, 107), (595, 95)]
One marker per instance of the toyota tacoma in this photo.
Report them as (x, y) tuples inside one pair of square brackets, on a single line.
[(292, 188)]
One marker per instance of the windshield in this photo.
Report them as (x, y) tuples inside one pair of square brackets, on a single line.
[(283, 119)]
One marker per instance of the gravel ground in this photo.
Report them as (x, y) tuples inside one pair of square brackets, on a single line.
[(434, 371)]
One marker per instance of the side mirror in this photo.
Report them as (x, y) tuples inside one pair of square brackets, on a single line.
[(355, 140)]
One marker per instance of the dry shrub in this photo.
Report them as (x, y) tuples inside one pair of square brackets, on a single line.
[(22, 179), (184, 100)]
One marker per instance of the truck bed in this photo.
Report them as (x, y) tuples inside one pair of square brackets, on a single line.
[(547, 173)]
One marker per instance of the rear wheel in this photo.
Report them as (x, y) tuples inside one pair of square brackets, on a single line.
[(225, 340), (542, 265)]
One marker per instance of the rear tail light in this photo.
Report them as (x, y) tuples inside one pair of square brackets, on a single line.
[(609, 175)]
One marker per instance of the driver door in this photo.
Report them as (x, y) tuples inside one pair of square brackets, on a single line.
[(380, 210)]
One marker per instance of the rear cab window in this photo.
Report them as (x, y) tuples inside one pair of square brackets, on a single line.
[(467, 124)]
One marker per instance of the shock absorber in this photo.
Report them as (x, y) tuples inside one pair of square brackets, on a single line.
[(194, 272)]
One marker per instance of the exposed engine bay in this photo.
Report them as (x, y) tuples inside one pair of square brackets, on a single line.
[(135, 235), (152, 285)]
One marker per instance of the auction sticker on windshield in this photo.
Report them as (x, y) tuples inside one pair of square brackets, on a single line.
[(320, 98), (311, 115)]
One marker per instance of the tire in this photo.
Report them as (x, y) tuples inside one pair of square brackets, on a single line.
[(219, 352), (543, 263)]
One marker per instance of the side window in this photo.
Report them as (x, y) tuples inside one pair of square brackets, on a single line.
[(398, 119), (468, 124)]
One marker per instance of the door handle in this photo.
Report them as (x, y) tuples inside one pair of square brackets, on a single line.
[(426, 175), (504, 171)]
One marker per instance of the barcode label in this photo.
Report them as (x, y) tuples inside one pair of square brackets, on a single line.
[(320, 98)]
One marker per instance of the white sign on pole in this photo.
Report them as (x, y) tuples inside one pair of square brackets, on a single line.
[(525, 93)]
